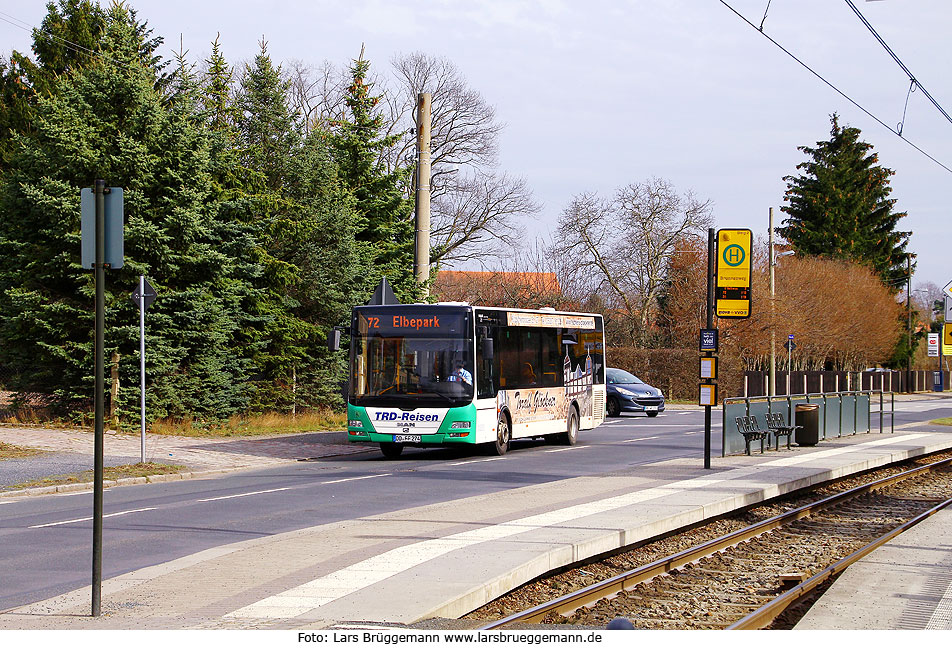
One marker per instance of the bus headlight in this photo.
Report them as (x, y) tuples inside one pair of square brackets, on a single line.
[(461, 424), (355, 423)]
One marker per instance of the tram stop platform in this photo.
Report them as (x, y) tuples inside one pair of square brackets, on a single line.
[(447, 559)]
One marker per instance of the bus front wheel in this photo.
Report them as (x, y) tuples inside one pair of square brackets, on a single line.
[(503, 435), (390, 450)]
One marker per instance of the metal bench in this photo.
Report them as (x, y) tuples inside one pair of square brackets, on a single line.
[(776, 425), (748, 427)]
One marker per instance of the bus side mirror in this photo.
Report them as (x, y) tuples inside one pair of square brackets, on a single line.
[(333, 339)]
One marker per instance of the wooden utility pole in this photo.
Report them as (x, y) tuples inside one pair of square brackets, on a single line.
[(422, 257)]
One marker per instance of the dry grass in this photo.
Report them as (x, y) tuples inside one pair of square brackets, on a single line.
[(944, 421), (263, 424), (109, 473), (10, 452)]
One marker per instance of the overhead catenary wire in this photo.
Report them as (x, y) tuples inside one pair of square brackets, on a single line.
[(914, 82), (834, 88)]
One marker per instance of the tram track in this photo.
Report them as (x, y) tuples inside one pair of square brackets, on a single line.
[(744, 571)]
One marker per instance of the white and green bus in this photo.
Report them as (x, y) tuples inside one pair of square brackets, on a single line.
[(455, 374)]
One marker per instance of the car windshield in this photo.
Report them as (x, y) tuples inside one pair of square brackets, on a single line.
[(623, 377)]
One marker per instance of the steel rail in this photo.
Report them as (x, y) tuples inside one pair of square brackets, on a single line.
[(772, 609), (569, 603)]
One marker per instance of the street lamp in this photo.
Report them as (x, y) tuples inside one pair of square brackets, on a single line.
[(772, 379)]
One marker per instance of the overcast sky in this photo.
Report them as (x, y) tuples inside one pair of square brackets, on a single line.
[(601, 93)]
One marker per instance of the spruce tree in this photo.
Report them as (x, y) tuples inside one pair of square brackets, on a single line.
[(79, 23), (839, 206), (384, 217), (109, 121), (303, 221)]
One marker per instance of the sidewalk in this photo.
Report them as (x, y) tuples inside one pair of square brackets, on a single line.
[(201, 455)]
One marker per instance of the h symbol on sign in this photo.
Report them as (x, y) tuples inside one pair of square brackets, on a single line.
[(734, 255)]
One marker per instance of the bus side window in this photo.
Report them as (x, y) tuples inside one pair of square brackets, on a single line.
[(507, 359), (551, 359)]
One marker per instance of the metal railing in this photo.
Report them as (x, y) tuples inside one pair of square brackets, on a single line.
[(841, 413)]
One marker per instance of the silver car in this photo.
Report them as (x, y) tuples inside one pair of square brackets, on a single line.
[(628, 393)]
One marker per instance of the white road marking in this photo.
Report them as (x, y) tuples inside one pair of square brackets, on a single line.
[(639, 439), (346, 581), (250, 493), (567, 448), (363, 477), (488, 459), (89, 518), (665, 425), (7, 502), (73, 493)]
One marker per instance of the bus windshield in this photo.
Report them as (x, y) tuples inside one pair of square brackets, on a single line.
[(412, 356)]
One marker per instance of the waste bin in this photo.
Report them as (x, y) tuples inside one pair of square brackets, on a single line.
[(937, 381), (808, 418)]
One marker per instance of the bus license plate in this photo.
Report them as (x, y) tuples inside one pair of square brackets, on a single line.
[(651, 408), (407, 438)]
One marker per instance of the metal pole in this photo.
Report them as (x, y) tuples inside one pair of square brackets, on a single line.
[(710, 325), (909, 318), (100, 188), (773, 334), (422, 258), (142, 364), (789, 385)]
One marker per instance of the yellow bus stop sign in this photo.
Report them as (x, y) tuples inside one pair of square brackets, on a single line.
[(732, 288), (947, 339)]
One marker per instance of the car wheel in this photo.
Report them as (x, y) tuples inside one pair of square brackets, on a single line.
[(503, 435), (614, 410), (390, 450), (570, 436), (652, 414)]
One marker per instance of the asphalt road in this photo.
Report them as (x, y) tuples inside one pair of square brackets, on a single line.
[(46, 541)]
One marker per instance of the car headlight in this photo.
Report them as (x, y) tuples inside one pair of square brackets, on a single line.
[(627, 393)]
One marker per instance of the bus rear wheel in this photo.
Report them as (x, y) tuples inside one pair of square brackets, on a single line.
[(390, 450), (503, 435), (570, 436)]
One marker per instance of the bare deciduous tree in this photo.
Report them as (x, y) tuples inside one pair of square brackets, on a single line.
[(476, 210), (474, 216), (316, 92), (625, 245)]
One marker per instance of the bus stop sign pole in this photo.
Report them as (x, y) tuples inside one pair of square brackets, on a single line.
[(100, 385), (710, 325), (101, 217)]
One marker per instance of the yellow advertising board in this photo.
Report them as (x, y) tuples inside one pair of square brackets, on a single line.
[(732, 288)]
